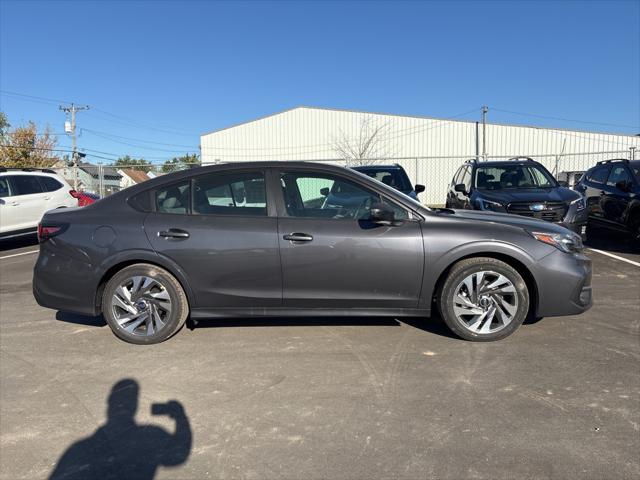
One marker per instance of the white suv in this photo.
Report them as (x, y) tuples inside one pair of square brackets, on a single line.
[(25, 194)]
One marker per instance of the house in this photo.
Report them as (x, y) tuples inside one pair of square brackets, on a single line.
[(99, 179), (131, 177)]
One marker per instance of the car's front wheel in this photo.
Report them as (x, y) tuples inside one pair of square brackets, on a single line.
[(483, 299), (144, 304)]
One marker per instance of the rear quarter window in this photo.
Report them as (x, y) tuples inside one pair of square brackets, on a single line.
[(50, 184)]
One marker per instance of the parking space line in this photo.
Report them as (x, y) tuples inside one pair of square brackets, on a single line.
[(18, 254), (615, 256)]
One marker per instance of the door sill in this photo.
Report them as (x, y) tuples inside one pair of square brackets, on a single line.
[(201, 313)]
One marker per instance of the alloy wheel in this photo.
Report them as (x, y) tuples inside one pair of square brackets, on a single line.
[(485, 302), (141, 305)]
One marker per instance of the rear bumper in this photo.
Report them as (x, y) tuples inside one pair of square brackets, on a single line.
[(64, 283), (564, 284)]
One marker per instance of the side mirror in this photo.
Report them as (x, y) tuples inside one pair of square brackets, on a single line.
[(382, 214), (324, 191), (563, 183), (460, 187), (419, 188)]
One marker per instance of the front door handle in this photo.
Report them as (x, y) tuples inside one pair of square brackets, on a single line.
[(173, 233), (298, 237)]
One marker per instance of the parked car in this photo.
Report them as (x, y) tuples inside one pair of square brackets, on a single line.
[(393, 175), (612, 192), (25, 194), (259, 239), (85, 198), (518, 186)]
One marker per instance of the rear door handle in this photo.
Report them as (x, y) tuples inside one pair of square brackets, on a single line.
[(298, 237), (173, 233)]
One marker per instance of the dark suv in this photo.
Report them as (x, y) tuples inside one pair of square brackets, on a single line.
[(612, 192), (520, 186), (393, 175)]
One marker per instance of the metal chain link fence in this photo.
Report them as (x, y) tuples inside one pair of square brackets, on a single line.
[(435, 173)]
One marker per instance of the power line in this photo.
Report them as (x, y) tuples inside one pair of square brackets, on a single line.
[(137, 139), (565, 119), (34, 97)]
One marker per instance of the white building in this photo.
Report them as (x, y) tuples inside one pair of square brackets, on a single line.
[(430, 149)]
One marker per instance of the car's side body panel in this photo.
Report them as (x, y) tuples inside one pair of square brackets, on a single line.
[(238, 266), (231, 261)]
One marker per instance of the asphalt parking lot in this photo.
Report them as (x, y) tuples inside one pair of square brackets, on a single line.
[(338, 398)]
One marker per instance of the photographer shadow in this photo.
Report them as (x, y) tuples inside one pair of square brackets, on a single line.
[(121, 448)]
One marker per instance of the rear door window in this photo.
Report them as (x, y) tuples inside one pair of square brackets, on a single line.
[(174, 198), (25, 184), (230, 194)]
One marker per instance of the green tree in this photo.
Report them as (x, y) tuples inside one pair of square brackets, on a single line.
[(189, 160), (133, 163), (24, 147)]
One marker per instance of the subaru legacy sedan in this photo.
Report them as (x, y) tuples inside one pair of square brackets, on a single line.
[(287, 239)]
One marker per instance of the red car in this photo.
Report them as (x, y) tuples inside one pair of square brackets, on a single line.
[(84, 198)]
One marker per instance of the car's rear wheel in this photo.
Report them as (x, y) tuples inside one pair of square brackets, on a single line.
[(483, 299), (144, 304)]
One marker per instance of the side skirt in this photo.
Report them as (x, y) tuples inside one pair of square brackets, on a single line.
[(201, 313)]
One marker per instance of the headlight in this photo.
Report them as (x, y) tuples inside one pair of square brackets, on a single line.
[(580, 202), (489, 205), (567, 242)]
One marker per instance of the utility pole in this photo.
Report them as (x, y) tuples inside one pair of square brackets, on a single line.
[(485, 109), (71, 129)]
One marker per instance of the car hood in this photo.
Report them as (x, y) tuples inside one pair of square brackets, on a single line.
[(559, 194), (530, 224)]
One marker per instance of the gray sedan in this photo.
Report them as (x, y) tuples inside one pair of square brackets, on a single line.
[(293, 238)]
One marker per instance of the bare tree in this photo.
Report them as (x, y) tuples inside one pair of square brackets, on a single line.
[(368, 147)]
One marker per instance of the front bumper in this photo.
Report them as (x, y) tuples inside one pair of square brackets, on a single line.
[(576, 221), (564, 284)]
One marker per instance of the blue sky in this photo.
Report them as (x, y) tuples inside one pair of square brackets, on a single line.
[(166, 71)]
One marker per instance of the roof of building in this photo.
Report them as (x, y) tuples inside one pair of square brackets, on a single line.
[(93, 170), (424, 117), (138, 176)]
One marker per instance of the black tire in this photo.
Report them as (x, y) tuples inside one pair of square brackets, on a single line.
[(634, 228), (173, 321), (461, 271)]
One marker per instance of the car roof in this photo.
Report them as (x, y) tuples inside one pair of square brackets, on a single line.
[(42, 172), (377, 167)]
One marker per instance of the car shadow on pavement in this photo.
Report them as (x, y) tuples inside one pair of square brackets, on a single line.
[(615, 242), (97, 321), (19, 242), (122, 448), (433, 325)]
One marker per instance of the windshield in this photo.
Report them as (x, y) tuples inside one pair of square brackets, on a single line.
[(395, 177), (635, 168), (502, 177)]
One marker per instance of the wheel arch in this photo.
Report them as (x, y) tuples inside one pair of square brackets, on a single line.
[(118, 264), (510, 260)]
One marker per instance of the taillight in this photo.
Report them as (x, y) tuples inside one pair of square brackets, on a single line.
[(45, 232), (74, 194)]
